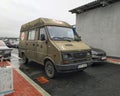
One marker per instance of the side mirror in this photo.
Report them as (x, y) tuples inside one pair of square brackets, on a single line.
[(42, 37), (78, 38)]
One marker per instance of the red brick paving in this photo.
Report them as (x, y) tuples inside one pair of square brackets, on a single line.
[(114, 60), (21, 86), (5, 64)]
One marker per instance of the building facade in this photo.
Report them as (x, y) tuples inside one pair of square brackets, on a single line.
[(98, 23)]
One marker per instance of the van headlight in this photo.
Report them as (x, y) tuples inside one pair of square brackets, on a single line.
[(94, 52), (88, 54), (67, 56)]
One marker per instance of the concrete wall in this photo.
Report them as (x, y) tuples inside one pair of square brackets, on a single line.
[(100, 28)]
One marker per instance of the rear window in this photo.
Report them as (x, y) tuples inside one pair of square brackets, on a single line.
[(2, 43)]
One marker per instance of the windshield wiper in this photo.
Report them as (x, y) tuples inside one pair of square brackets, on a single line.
[(56, 38), (67, 38), (62, 38), (77, 38)]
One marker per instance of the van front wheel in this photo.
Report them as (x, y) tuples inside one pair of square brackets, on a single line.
[(50, 69)]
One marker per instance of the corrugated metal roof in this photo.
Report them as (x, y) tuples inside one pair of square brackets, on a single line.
[(92, 5)]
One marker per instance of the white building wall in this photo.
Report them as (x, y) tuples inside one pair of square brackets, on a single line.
[(100, 28)]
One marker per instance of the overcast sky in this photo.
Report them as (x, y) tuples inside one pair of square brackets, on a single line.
[(14, 13)]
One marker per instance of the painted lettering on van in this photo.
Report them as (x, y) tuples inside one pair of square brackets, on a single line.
[(22, 36)]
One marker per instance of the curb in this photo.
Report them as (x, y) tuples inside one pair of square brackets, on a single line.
[(114, 61)]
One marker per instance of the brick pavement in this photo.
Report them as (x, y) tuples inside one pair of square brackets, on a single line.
[(21, 86), (113, 60)]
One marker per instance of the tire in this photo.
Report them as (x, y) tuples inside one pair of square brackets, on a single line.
[(9, 60), (82, 69), (50, 69), (24, 59)]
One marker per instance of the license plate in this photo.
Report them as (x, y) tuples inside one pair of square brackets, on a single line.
[(103, 58), (82, 66)]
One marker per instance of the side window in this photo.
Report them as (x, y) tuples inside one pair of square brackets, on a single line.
[(31, 35), (42, 31)]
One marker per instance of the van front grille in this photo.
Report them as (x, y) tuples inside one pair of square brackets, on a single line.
[(80, 55)]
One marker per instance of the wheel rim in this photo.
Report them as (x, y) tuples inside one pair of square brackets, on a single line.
[(49, 68), (24, 59)]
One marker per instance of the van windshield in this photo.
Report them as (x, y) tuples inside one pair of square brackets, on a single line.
[(62, 33)]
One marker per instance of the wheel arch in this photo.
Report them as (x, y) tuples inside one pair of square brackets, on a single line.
[(48, 59), (21, 53)]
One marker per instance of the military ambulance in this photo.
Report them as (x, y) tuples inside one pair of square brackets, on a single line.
[(55, 45)]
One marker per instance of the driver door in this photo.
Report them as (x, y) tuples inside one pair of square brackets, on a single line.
[(41, 46)]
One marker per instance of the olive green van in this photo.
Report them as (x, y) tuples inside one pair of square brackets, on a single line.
[(55, 45)]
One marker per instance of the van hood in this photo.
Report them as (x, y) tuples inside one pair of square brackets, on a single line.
[(71, 45)]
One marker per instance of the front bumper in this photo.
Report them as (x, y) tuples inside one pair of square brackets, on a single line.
[(62, 68), (99, 59)]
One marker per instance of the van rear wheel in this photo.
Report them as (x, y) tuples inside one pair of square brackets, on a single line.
[(50, 69), (24, 59)]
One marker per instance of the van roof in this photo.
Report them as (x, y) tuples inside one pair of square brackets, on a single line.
[(43, 22)]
